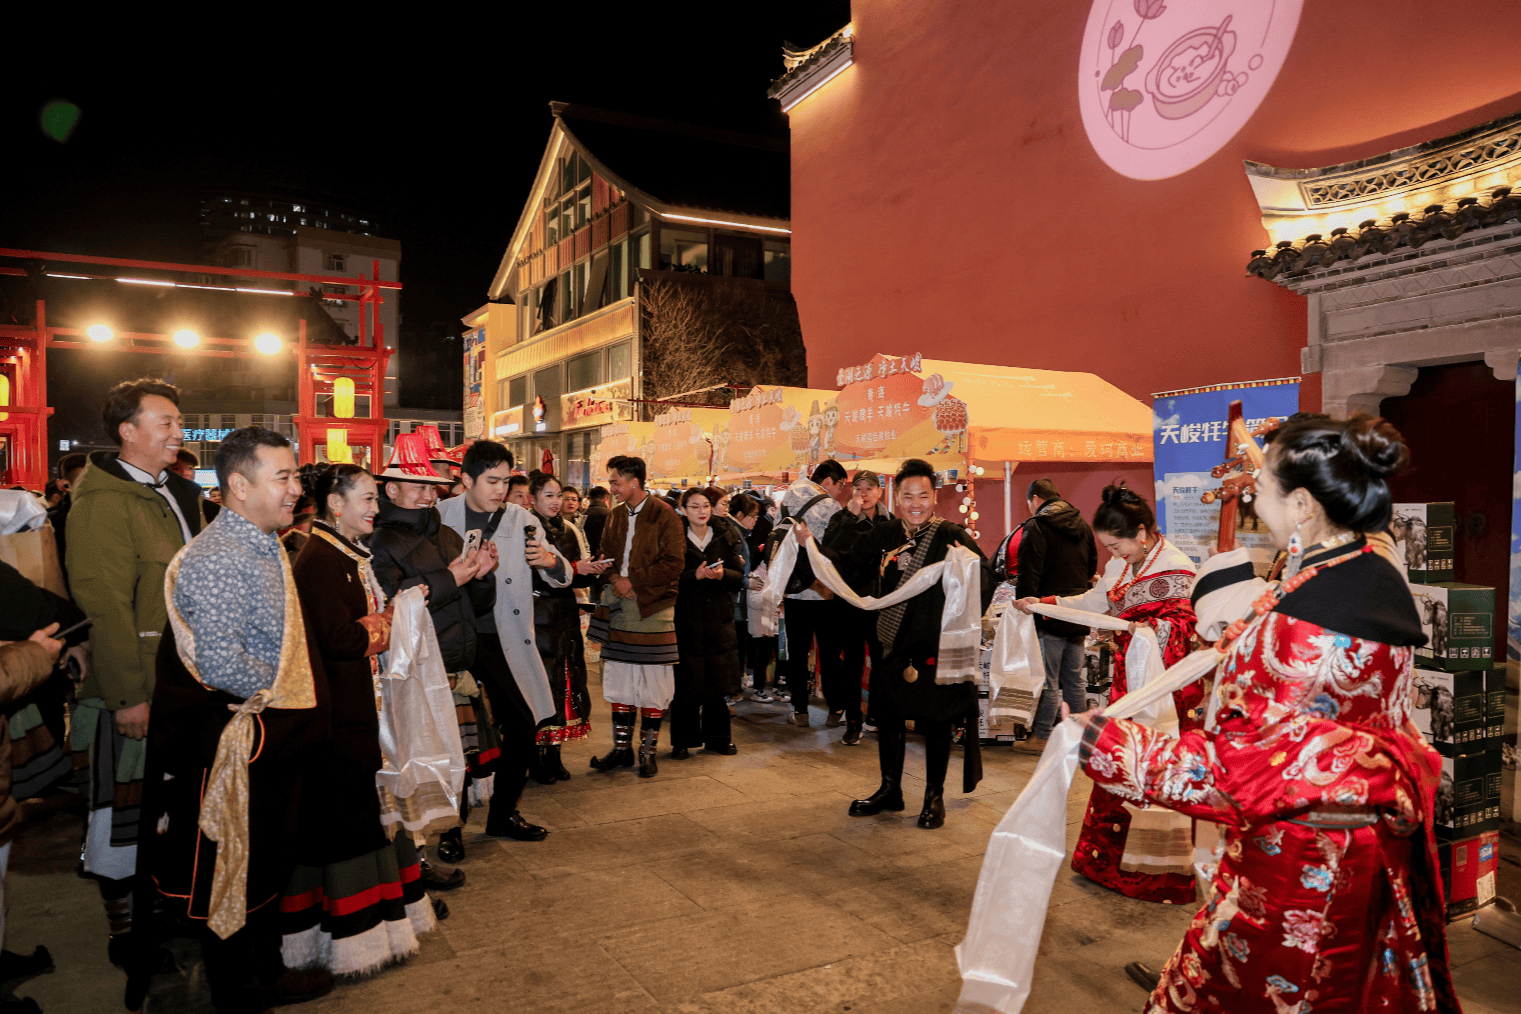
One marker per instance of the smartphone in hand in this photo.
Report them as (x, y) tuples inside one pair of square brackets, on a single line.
[(472, 541)]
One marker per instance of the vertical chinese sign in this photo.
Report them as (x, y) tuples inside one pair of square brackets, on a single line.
[(475, 370), (1189, 439)]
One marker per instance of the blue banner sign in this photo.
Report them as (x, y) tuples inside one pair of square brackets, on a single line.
[(1189, 439)]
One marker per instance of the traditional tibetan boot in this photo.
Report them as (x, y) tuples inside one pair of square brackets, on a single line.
[(933, 814), (649, 739), (889, 795), (554, 765), (622, 753)]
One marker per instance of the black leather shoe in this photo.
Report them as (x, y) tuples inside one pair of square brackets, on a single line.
[(852, 735), (1143, 976), (434, 880), (440, 909), (516, 828), (725, 749), (888, 797), (538, 770), (300, 986), (933, 814), (680, 753), (451, 847)]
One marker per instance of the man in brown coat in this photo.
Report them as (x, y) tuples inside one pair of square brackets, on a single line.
[(645, 545)]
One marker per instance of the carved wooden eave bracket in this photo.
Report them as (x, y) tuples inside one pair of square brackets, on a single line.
[(1406, 204)]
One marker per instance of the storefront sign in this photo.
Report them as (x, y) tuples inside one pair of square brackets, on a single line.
[(1164, 84), (201, 436), (1189, 434), (597, 406), (508, 422)]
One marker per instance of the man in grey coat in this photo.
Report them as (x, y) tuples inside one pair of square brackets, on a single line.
[(506, 661)]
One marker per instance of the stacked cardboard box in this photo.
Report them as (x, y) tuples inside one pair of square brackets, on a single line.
[(1459, 623), (1425, 533), (1469, 869)]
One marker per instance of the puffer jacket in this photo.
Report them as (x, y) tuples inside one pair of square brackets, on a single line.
[(121, 538), (412, 547), (1056, 552)]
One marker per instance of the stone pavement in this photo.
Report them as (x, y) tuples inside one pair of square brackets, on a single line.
[(726, 885)]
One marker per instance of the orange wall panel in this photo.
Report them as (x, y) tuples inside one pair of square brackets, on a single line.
[(946, 199)]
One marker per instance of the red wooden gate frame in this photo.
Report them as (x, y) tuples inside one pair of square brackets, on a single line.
[(23, 358)]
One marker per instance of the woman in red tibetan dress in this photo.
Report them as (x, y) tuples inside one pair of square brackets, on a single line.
[(1147, 581), (1327, 896)]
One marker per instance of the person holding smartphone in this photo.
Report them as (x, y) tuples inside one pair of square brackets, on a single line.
[(709, 669)]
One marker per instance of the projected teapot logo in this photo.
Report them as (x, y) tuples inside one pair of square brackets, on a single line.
[(1164, 84)]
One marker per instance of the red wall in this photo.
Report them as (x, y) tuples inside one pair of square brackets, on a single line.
[(945, 198)]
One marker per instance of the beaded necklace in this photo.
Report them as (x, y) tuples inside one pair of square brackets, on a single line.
[(1269, 599)]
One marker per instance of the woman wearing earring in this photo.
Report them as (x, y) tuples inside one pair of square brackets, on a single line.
[(355, 903), (1328, 893), (1147, 581)]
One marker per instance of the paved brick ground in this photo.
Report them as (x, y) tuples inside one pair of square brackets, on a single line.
[(727, 885)]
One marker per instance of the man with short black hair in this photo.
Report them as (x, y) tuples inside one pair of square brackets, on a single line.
[(811, 612), (1057, 556), (129, 516), (240, 708), (185, 465), (597, 510), (507, 659), (517, 490), (645, 550)]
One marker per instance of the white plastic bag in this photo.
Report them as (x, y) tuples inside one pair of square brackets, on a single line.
[(1017, 674), (423, 766)]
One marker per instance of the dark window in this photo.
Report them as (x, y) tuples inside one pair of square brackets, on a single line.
[(778, 262), (681, 250), (583, 371), (620, 362), (517, 391), (546, 308), (737, 256)]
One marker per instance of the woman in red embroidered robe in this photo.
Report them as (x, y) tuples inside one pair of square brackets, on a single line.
[(1327, 896), (1147, 581)]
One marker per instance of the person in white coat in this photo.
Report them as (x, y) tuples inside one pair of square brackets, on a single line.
[(506, 661)]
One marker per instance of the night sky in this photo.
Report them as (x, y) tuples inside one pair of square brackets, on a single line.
[(435, 128)]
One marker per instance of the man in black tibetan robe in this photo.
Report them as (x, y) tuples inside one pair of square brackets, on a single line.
[(878, 558)]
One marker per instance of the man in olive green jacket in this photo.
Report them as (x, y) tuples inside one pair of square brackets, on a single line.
[(130, 515)]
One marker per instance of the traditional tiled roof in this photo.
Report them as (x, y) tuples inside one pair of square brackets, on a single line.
[(806, 68), (1292, 258), (684, 166)]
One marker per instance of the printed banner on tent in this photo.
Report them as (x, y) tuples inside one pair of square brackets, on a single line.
[(775, 429), (1189, 439), (630, 438), (683, 445)]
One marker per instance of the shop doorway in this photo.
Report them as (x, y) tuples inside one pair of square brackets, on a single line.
[(1459, 423)]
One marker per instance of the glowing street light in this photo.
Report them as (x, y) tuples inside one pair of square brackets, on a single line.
[(268, 343), (99, 333), (186, 338)]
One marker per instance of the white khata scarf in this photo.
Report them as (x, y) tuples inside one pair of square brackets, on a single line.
[(960, 620)]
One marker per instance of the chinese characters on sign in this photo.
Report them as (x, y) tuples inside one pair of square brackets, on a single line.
[(202, 436)]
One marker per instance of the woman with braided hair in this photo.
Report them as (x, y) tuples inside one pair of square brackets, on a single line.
[(1147, 581), (1327, 895), (355, 903)]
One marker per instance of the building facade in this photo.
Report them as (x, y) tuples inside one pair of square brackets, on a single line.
[(646, 252)]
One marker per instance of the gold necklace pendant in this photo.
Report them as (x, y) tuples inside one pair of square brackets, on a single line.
[(910, 674)]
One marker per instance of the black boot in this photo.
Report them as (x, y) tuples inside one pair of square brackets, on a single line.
[(649, 738), (538, 767), (451, 847), (933, 814), (852, 735), (622, 753), (889, 795), (937, 759), (553, 765)]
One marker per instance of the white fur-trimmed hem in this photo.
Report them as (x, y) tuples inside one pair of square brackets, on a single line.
[(390, 942)]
